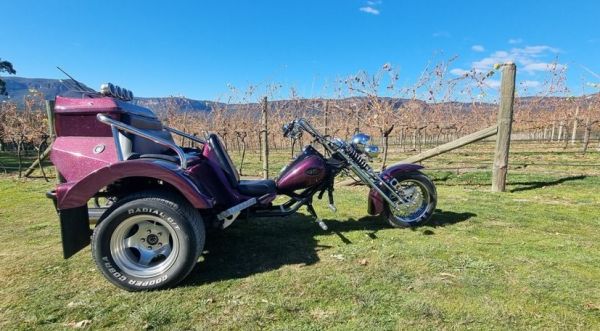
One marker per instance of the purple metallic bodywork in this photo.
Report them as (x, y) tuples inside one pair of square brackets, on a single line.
[(77, 116), (298, 174), (75, 194), (85, 155), (77, 157), (376, 202)]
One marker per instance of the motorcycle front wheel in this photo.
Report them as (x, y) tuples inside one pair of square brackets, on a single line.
[(420, 199)]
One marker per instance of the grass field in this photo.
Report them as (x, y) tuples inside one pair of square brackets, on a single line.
[(528, 258)]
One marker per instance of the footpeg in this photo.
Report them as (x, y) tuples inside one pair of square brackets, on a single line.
[(332, 207), (313, 213), (231, 214), (330, 196), (322, 225)]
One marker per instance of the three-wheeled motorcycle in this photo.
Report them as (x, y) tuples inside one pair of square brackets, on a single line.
[(149, 201)]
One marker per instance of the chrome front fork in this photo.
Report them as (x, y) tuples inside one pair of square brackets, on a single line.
[(366, 178)]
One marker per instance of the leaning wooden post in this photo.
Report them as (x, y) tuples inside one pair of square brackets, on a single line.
[(52, 135), (505, 117), (265, 144)]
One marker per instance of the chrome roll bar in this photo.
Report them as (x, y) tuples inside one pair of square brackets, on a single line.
[(186, 135), (117, 125)]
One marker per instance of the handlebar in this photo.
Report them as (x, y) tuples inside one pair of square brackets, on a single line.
[(295, 128)]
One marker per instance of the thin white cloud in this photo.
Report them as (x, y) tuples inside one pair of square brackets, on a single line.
[(542, 66), (369, 10), (537, 50), (478, 48), (441, 34), (514, 41), (493, 83), (374, 3), (531, 83), (459, 72), (529, 59)]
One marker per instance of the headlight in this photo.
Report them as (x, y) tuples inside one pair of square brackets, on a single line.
[(372, 151), (360, 141)]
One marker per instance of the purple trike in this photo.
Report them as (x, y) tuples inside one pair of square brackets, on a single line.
[(151, 201)]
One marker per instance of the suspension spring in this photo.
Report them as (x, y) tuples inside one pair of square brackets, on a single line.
[(360, 161)]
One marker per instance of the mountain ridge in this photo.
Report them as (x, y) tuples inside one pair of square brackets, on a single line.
[(18, 87)]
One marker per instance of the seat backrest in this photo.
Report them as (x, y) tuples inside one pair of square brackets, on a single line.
[(132, 144), (224, 160)]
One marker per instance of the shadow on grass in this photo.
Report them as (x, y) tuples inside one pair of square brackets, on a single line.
[(539, 184), (255, 246), (443, 218)]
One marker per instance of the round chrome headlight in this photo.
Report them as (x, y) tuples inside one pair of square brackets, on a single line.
[(372, 151), (360, 141)]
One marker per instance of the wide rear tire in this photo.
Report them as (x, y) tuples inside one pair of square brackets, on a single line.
[(150, 240), (422, 199)]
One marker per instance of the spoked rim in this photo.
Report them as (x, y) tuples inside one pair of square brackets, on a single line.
[(144, 246), (417, 197)]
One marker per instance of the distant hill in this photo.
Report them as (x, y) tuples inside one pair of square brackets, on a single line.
[(18, 87)]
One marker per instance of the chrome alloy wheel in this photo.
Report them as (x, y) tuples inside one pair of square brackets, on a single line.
[(417, 199), (144, 245)]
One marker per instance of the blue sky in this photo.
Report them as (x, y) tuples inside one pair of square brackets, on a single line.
[(197, 48)]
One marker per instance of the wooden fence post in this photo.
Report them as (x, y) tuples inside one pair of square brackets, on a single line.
[(265, 144), (586, 135), (561, 128), (50, 113), (326, 117), (505, 117), (575, 122)]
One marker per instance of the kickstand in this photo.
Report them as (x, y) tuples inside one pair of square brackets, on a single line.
[(313, 213)]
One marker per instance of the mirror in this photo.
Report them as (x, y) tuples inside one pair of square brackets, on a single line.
[(372, 151)]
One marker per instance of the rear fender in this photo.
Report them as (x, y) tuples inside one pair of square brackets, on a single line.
[(70, 199), (376, 202), (72, 195)]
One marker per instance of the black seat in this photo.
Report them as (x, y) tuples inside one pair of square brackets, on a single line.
[(165, 157), (247, 187), (256, 187), (224, 160), (136, 147)]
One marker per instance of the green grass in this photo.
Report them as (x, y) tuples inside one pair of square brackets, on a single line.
[(524, 259), (9, 163)]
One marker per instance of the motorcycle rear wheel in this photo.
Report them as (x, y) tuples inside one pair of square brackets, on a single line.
[(148, 241), (421, 195)]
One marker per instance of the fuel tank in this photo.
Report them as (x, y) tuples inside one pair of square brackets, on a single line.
[(307, 170)]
